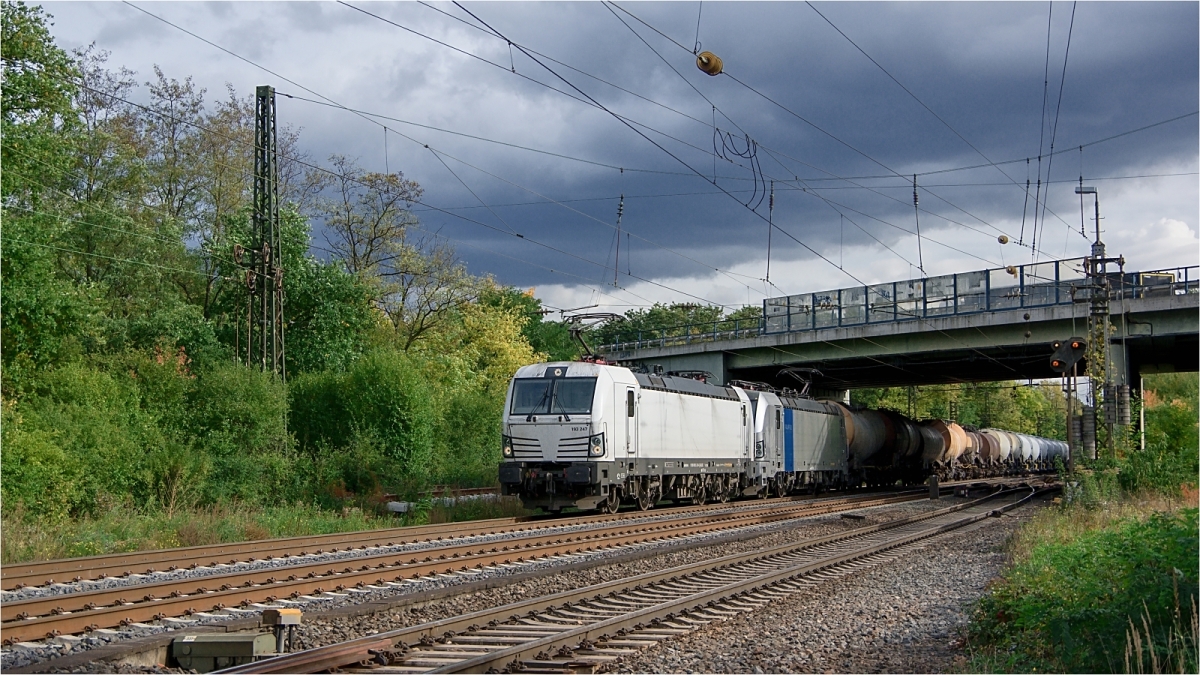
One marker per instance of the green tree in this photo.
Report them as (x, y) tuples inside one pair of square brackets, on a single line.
[(43, 314), (550, 338)]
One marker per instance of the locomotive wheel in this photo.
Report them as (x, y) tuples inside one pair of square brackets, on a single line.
[(780, 489), (724, 489), (700, 494), (646, 500), (611, 504), (647, 496)]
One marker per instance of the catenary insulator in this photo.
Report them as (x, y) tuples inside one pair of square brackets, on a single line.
[(709, 63)]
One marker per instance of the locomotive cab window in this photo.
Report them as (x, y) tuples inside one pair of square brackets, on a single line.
[(777, 416), (542, 396)]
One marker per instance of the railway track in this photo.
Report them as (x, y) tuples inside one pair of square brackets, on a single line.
[(72, 570), (66, 613), (44, 573), (579, 630)]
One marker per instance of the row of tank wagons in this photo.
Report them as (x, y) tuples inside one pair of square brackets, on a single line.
[(883, 438)]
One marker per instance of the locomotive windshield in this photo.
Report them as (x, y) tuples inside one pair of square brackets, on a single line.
[(543, 396)]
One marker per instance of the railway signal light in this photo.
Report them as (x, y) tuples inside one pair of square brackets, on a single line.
[(1066, 354)]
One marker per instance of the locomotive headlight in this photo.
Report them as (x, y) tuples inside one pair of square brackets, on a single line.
[(596, 446), (759, 449), (507, 446)]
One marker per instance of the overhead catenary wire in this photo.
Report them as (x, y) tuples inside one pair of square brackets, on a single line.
[(713, 125), (756, 172), (1054, 130), (672, 155), (793, 188), (806, 121), (910, 93), (1042, 128), (415, 141), (917, 217), (696, 119), (568, 83)]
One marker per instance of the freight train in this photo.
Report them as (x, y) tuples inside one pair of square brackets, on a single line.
[(593, 436)]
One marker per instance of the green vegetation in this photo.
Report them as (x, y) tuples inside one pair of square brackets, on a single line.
[(127, 420), (1107, 581)]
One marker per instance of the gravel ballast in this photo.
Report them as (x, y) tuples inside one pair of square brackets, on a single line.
[(905, 616), (898, 617), (550, 577)]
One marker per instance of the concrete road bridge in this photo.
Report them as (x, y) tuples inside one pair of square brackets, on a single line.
[(987, 325)]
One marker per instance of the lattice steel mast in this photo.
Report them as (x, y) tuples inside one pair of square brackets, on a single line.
[(265, 345)]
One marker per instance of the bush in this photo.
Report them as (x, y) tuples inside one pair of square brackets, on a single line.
[(380, 409), (88, 423), (1067, 605), (234, 410)]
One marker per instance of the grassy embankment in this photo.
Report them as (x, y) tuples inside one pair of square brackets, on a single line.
[(1106, 581), (123, 529)]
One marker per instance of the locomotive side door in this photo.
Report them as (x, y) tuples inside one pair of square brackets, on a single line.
[(631, 425)]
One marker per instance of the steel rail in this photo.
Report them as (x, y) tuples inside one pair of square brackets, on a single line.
[(21, 575), (41, 573), (40, 617), (364, 650)]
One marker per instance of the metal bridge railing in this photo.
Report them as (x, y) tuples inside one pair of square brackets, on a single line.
[(1055, 282)]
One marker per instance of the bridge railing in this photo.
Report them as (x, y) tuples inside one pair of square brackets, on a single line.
[(1013, 287), (684, 334), (1054, 282), (1155, 283)]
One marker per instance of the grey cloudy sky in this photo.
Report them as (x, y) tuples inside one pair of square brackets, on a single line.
[(981, 67)]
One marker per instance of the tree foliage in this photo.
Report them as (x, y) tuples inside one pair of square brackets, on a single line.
[(125, 311)]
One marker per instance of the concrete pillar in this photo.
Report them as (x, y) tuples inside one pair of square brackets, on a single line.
[(840, 395)]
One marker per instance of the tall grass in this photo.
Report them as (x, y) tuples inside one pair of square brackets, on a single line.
[(1079, 577), (1144, 645), (122, 529)]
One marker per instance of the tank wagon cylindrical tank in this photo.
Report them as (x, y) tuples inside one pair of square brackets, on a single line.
[(1004, 446), (989, 449), (866, 433), (906, 436)]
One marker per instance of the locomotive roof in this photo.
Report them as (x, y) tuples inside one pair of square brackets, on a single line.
[(684, 385)]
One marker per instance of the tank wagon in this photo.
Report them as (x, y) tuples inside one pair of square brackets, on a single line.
[(594, 436)]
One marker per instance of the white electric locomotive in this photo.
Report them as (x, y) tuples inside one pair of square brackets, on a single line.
[(590, 435)]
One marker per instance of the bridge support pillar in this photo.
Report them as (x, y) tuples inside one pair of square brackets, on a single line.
[(839, 395)]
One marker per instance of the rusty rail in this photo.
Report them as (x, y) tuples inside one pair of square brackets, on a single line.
[(577, 629), (78, 612)]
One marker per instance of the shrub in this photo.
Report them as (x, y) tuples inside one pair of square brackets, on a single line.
[(385, 393), (1067, 605)]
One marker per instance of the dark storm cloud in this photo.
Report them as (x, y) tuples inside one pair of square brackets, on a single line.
[(979, 66), (989, 87)]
